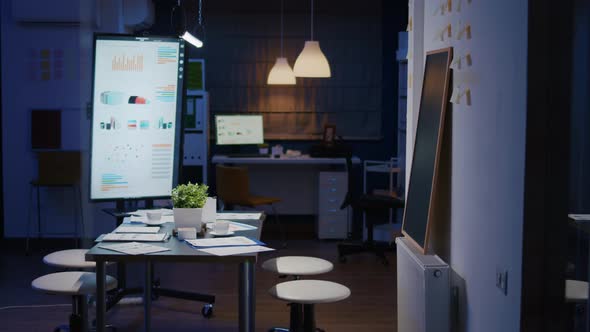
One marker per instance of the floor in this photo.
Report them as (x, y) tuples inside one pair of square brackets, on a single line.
[(371, 307)]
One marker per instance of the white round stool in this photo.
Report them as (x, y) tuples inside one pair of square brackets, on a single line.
[(76, 284), (298, 265), (307, 293), (69, 259)]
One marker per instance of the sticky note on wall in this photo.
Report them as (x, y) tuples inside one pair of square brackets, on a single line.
[(464, 31)]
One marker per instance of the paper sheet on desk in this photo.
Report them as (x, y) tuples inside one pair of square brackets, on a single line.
[(227, 251), (165, 212), (235, 226), (239, 216), (125, 237), (144, 220), (234, 241), (133, 248), (579, 217), (137, 229)]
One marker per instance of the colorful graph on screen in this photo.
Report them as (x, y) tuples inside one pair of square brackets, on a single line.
[(125, 63), (166, 54), (166, 94), (111, 181), (162, 158)]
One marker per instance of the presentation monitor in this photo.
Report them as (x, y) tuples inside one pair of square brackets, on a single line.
[(137, 108), (239, 129)]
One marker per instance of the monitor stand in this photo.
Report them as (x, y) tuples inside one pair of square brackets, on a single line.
[(122, 205)]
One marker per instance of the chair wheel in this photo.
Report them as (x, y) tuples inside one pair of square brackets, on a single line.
[(342, 259), (207, 310)]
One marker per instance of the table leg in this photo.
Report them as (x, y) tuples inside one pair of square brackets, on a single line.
[(247, 301), (100, 296), (588, 298), (147, 296)]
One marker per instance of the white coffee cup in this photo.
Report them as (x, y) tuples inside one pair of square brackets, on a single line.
[(154, 215), (221, 227)]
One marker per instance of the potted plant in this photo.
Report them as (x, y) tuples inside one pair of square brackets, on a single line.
[(188, 201)]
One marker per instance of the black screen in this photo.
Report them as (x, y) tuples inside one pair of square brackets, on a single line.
[(430, 118)]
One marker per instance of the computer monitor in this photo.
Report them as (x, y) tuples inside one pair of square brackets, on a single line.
[(239, 129), (137, 111)]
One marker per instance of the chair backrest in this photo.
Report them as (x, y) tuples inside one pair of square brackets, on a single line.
[(351, 192), (233, 184), (59, 167)]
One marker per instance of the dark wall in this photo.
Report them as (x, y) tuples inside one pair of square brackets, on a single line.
[(243, 40), (580, 120)]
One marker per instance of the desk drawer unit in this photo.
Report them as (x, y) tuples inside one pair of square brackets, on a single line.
[(332, 222)]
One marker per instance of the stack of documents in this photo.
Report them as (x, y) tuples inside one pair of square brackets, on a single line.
[(133, 248), (235, 245)]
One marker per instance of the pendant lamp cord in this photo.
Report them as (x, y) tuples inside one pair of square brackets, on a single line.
[(282, 10), (311, 20), (200, 12)]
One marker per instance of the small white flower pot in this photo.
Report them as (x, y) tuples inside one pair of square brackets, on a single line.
[(184, 217)]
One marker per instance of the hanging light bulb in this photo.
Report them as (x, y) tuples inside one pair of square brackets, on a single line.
[(312, 62), (191, 35), (281, 73)]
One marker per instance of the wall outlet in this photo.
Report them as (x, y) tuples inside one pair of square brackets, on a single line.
[(502, 280)]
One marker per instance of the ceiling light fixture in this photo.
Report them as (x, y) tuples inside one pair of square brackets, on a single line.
[(311, 62), (281, 73), (191, 35)]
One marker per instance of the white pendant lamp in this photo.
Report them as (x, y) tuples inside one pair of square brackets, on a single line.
[(281, 73), (311, 62)]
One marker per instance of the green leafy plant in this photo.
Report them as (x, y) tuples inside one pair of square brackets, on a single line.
[(191, 196)]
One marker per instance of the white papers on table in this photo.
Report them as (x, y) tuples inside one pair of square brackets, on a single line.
[(579, 217), (235, 226), (239, 216), (165, 212), (133, 248), (137, 229), (144, 220), (226, 251), (158, 237), (222, 242)]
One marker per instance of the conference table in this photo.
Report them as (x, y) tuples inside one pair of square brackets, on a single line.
[(181, 252)]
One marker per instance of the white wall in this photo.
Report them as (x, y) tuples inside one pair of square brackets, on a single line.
[(488, 154), (25, 90)]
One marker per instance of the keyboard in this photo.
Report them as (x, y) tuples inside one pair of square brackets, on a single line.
[(248, 155)]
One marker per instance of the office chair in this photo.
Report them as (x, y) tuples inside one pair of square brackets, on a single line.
[(366, 203), (58, 169), (233, 188)]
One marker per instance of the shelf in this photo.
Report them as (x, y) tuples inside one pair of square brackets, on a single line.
[(382, 169)]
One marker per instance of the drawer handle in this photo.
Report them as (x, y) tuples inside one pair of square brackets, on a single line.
[(333, 190), (332, 200), (332, 210)]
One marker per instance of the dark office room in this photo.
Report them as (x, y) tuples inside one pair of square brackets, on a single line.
[(295, 165)]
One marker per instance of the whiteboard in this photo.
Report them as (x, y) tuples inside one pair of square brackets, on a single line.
[(136, 127), (433, 105)]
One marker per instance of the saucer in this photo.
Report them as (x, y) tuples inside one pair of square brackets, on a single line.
[(224, 234)]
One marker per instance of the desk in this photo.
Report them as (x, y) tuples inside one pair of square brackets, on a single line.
[(294, 180), (180, 252), (305, 185)]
